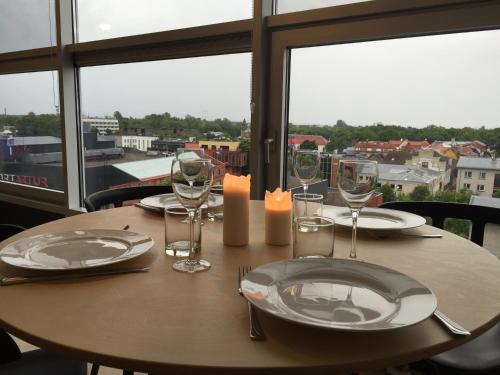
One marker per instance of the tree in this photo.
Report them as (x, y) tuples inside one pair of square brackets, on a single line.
[(245, 145), (420, 193), (387, 192), (496, 194), (117, 115), (308, 145)]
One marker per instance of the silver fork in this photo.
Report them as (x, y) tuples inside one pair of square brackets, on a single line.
[(256, 332)]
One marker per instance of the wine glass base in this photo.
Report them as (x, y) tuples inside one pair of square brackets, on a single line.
[(191, 266)]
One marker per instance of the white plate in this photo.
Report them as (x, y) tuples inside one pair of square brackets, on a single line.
[(76, 249), (338, 294), (161, 201), (374, 218), (164, 200)]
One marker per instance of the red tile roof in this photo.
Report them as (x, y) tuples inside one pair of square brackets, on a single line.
[(294, 139), (391, 145)]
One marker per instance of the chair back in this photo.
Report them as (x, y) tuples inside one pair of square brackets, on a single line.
[(439, 211), (95, 201)]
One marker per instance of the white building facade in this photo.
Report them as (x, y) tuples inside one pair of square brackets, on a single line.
[(139, 142), (478, 175), (103, 125)]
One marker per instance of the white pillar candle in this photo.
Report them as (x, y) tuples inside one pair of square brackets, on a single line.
[(236, 220), (278, 216)]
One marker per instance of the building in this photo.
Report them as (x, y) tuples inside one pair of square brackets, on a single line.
[(295, 140), (326, 167), (103, 125), (480, 175), (377, 146), (139, 142), (216, 145), (430, 159), (404, 179), (236, 162)]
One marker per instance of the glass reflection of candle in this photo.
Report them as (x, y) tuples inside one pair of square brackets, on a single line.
[(278, 207), (236, 210)]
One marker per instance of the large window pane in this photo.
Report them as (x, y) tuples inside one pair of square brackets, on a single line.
[(30, 130), (27, 24), (426, 108), (103, 19), (287, 6), (136, 115)]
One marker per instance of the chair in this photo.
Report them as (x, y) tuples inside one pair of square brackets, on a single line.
[(481, 355), (39, 362), (96, 200)]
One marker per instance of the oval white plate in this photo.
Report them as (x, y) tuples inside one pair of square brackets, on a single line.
[(164, 200), (374, 218), (76, 249), (338, 294)]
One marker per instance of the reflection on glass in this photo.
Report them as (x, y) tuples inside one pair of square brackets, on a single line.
[(103, 19), (27, 24), (30, 130)]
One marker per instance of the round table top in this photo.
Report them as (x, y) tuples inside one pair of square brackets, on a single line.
[(163, 320)]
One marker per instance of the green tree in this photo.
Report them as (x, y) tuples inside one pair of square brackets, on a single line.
[(387, 192), (496, 194), (308, 145), (245, 145), (420, 193)]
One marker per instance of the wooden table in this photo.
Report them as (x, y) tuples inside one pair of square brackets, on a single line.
[(169, 322)]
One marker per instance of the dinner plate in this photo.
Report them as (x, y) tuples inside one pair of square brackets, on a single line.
[(160, 201), (374, 218), (164, 200), (76, 249), (338, 294)]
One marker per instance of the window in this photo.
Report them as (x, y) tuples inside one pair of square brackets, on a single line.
[(286, 6), (466, 186), (480, 187), (468, 174), (425, 164), (171, 100), (104, 19), (482, 175), (30, 138), (26, 24)]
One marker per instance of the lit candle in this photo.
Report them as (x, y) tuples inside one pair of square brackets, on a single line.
[(278, 207), (236, 210)]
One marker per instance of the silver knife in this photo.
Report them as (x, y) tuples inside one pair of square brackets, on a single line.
[(5, 281)]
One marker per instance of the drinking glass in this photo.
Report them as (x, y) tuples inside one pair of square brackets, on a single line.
[(191, 182), (313, 237), (190, 152), (306, 166), (307, 205), (356, 180), (215, 203)]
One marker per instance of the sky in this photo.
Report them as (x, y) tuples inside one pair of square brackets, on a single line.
[(449, 80)]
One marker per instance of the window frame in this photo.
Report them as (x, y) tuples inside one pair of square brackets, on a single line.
[(351, 23)]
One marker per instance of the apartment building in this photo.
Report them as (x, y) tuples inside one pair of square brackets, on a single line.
[(432, 160), (139, 142), (480, 175), (103, 125)]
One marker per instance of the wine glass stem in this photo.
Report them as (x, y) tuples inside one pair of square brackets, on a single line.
[(355, 214), (305, 187), (192, 218)]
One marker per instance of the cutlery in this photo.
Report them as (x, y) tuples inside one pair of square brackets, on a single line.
[(256, 332), (454, 327), (5, 281)]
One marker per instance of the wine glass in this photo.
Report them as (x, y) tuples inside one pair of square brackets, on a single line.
[(356, 181), (191, 182), (306, 166)]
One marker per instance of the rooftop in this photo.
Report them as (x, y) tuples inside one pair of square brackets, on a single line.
[(477, 200), (38, 140), (294, 139), (406, 173), (479, 163)]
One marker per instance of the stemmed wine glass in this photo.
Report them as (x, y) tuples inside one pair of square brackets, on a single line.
[(306, 166), (356, 180), (191, 182)]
